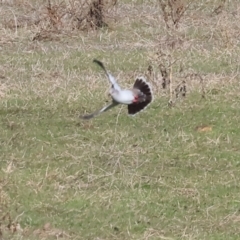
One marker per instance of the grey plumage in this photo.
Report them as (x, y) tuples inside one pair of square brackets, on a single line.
[(136, 98)]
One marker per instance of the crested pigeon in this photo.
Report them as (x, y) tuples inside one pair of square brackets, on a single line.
[(136, 98)]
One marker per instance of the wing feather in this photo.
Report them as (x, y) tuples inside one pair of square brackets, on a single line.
[(96, 113), (110, 77)]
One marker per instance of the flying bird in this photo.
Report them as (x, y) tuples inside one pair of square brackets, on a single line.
[(136, 98)]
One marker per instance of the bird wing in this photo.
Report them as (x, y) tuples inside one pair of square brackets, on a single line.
[(145, 96), (104, 109), (134, 108), (144, 87), (111, 79)]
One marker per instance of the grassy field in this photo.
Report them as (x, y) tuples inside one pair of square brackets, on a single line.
[(171, 172)]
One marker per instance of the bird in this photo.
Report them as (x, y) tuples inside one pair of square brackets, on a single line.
[(137, 98)]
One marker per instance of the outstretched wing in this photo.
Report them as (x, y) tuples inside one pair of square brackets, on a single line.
[(104, 109), (144, 87), (145, 96), (137, 107), (110, 77)]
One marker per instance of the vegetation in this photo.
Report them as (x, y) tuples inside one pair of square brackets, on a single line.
[(171, 172)]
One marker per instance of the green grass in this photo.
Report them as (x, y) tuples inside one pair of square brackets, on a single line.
[(154, 172), (152, 176)]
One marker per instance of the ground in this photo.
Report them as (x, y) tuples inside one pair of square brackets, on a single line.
[(171, 172)]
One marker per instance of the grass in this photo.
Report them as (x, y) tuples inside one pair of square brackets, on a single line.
[(167, 173), (116, 180)]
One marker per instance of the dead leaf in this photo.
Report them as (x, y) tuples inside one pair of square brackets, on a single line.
[(204, 128)]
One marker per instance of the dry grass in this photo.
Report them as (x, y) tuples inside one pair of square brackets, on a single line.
[(173, 11), (169, 173)]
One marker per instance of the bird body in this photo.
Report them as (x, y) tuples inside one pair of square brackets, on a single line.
[(123, 97), (136, 98)]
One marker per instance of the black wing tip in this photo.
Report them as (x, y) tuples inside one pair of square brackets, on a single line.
[(99, 63), (134, 109), (142, 79), (96, 61), (144, 87), (141, 83)]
